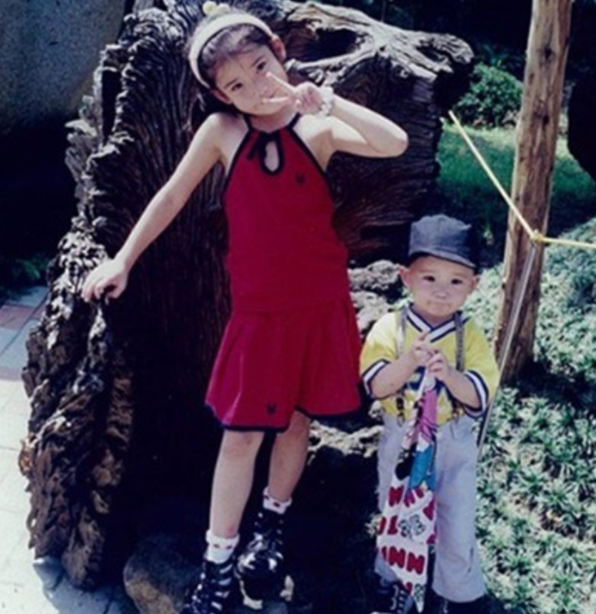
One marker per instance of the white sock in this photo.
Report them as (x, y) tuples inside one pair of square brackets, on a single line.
[(275, 505), (220, 549)]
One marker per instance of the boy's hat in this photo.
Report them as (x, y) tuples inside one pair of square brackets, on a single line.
[(443, 237)]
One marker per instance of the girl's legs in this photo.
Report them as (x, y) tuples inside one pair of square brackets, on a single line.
[(288, 458), (261, 565), (234, 472), (232, 481)]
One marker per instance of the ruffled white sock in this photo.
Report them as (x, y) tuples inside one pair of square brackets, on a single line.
[(220, 549), (275, 505)]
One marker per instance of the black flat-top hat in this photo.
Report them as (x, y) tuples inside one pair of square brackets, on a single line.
[(444, 237)]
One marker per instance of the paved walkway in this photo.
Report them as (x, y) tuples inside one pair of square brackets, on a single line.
[(29, 586)]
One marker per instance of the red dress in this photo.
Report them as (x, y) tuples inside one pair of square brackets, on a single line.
[(292, 340)]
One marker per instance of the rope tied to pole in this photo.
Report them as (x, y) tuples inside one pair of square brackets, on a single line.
[(535, 235), (536, 238)]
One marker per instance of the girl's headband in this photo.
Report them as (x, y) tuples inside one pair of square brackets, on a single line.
[(213, 28)]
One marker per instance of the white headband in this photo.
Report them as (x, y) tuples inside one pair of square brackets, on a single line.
[(213, 28)]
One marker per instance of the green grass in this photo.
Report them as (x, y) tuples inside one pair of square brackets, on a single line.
[(465, 191), (537, 484)]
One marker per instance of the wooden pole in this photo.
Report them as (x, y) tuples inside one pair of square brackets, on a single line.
[(536, 138)]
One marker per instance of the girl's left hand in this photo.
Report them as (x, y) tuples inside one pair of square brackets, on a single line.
[(307, 98)]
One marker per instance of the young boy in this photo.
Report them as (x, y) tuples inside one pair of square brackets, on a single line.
[(434, 373)]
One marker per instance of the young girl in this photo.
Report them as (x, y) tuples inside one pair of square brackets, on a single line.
[(290, 350)]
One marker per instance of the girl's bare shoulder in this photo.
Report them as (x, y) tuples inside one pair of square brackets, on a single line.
[(225, 120), (227, 130), (220, 126)]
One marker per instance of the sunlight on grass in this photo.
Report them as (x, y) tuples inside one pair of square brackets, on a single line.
[(464, 190)]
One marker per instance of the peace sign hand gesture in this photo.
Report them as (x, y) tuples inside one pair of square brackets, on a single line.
[(307, 98)]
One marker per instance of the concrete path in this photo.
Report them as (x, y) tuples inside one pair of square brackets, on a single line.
[(29, 586)]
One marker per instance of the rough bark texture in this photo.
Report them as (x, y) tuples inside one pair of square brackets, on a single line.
[(117, 424), (537, 133)]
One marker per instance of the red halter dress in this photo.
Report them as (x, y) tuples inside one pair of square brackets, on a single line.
[(292, 340)]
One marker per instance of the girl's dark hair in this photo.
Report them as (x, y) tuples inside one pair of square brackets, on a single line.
[(226, 44)]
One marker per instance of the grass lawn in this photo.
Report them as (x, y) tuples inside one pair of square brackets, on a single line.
[(464, 190)]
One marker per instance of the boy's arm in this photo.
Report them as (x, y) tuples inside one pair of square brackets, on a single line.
[(476, 386), (458, 384), (481, 366), (111, 276), (384, 373), (392, 377)]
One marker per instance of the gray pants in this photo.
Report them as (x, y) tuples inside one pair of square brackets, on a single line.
[(457, 573)]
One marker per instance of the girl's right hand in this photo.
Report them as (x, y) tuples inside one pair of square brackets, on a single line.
[(107, 280), (307, 98)]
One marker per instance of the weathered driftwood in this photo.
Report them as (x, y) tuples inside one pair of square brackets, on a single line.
[(117, 419)]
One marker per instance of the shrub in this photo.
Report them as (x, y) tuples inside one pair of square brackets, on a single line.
[(501, 57), (493, 99), (18, 273)]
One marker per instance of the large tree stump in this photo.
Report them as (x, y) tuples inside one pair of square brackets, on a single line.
[(116, 391)]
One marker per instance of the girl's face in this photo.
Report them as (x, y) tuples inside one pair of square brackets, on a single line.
[(242, 80), (439, 287)]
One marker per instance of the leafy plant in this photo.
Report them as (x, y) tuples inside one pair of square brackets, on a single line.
[(494, 98), (501, 57), (17, 273)]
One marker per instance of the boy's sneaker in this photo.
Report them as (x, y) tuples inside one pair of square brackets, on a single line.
[(212, 590), (391, 598), (432, 603), (261, 566)]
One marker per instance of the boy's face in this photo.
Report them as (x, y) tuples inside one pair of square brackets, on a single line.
[(439, 287), (242, 80)]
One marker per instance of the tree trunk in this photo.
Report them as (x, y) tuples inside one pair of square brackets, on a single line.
[(532, 175), (117, 392)]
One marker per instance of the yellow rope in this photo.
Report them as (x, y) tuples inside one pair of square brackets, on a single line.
[(567, 243), (534, 235)]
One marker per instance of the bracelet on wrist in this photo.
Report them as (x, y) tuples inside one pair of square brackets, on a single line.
[(327, 96)]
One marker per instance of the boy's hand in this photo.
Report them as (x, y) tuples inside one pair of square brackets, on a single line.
[(439, 367), (109, 280), (307, 98), (421, 351)]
